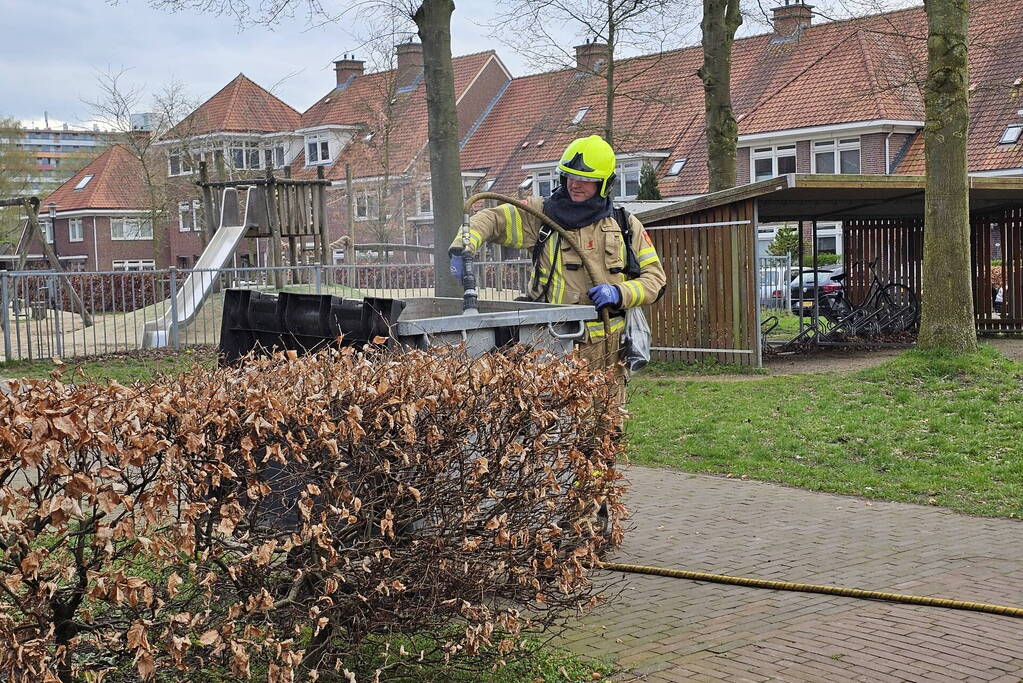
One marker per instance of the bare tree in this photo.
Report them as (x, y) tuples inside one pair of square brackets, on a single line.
[(947, 316), (537, 30), (115, 107), (433, 22)]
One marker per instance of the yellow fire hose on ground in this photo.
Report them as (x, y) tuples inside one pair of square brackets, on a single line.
[(722, 578), (565, 235), (814, 588)]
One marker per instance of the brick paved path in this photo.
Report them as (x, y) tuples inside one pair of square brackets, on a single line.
[(664, 629)]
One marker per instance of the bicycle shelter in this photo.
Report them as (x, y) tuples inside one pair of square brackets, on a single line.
[(708, 246)]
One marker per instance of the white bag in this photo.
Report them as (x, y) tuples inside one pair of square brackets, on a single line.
[(636, 340)]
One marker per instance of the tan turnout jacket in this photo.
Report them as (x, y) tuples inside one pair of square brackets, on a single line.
[(603, 243)]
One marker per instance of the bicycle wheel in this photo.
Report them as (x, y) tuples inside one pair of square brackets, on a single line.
[(901, 306)]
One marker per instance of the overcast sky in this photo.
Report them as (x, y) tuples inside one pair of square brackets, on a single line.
[(53, 49)]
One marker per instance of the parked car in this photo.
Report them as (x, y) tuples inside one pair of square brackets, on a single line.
[(803, 288)]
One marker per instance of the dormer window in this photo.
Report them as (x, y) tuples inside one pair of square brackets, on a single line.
[(84, 181), (677, 167), (579, 115), (1011, 135), (317, 149)]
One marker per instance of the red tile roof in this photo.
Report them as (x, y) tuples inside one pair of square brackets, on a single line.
[(241, 106), (363, 103), (117, 183), (996, 63), (840, 72)]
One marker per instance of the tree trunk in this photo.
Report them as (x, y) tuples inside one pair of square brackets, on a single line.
[(721, 19), (609, 73), (433, 18), (947, 320)]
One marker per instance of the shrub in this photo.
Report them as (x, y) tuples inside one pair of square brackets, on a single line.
[(298, 513)]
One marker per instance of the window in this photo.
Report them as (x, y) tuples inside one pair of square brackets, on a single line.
[(424, 200), (527, 183), (244, 155), (47, 227), (627, 183), (769, 162), (317, 149), (84, 181), (367, 204), (579, 115), (677, 167), (75, 233), (546, 183), (489, 184), (135, 264), (178, 163), (189, 216), (273, 157), (131, 229), (1011, 135), (836, 156)]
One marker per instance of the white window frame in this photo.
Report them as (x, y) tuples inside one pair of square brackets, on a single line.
[(190, 209), (367, 204), (133, 265), (626, 171), (773, 153), (47, 227), (184, 167), (75, 230), (322, 147), (141, 229), (580, 115), (677, 166), (552, 178), (245, 154), (1011, 135), (84, 181), (834, 147), (423, 192)]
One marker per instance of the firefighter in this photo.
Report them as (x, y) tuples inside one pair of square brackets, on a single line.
[(580, 204)]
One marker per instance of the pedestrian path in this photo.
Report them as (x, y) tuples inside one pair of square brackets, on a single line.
[(664, 629)]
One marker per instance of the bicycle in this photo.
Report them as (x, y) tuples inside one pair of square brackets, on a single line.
[(887, 308)]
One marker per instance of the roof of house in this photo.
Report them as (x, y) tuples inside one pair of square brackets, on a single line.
[(396, 117), (241, 106), (116, 183), (996, 82), (865, 69)]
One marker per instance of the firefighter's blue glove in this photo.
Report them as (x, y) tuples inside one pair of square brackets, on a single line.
[(605, 295), (457, 266)]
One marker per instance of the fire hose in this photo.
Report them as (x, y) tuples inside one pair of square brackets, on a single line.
[(815, 588), (566, 235)]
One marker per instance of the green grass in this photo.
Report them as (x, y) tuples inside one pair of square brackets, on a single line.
[(124, 368), (924, 427)]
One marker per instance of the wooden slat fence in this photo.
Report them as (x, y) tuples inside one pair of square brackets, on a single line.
[(899, 244), (709, 309)]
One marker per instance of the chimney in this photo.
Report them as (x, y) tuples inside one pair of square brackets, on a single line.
[(348, 67), (792, 18), (591, 56), (410, 62)]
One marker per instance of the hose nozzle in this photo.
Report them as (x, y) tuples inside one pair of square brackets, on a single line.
[(470, 303)]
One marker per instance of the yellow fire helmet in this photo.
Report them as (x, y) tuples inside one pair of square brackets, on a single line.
[(591, 159)]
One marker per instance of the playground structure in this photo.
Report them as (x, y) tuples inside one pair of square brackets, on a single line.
[(275, 208), (31, 230)]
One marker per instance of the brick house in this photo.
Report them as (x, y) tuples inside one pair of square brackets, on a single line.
[(837, 97), (102, 219)]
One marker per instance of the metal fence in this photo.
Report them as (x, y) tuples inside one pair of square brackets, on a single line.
[(128, 311), (774, 278)]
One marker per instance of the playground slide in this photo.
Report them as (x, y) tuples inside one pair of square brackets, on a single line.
[(192, 293)]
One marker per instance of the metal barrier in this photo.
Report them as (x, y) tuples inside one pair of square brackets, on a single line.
[(774, 276), (39, 321)]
